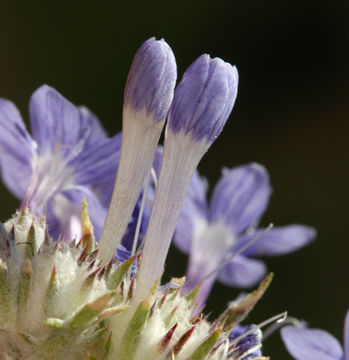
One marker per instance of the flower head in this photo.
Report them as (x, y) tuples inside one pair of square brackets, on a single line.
[(68, 157), (70, 299), (213, 233), (59, 303)]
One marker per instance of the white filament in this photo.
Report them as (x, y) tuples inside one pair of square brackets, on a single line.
[(279, 318), (231, 257), (272, 328)]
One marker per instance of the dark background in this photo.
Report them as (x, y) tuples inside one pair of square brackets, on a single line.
[(291, 113)]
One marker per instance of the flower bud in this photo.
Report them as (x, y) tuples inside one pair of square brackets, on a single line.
[(204, 99), (202, 104), (151, 80), (148, 96)]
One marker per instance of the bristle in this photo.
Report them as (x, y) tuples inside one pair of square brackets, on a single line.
[(90, 267), (130, 290), (153, 307), (180, 343), (101, 273), (167, 338), (163, 298), (84, 254), (204, 349), (24, 288), (122, 288), (171, 315), (107, 346)]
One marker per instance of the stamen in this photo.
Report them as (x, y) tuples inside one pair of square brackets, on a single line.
[(140, 215), (231, 257), (279, 318), (154, 176), (274, 327), (139, 220), (155, 179)]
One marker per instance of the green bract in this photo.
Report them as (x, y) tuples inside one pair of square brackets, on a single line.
[(57, 302)]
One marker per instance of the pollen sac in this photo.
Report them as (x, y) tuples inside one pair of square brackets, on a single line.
[(151, 80), (204, 98)]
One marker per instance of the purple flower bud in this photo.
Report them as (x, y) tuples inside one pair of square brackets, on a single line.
[(204, 98), (152, 79)]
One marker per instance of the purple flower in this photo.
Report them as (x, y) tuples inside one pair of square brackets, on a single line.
[(315, 344), (68, 157), (212, 233)]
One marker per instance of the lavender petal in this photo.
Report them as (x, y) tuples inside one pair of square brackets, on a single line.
[(98, 162), (204, 98), (311, 344), (92, 124), (194, 211), (16, 149), (241, 197), (63, 217), (96, 211), (55, 121), (129, 235), (279, 240), (346, 336), (242, 272)]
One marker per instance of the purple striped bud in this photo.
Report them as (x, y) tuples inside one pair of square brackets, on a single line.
[(147, 99), (201, 105), (204, 98), (151, 79)]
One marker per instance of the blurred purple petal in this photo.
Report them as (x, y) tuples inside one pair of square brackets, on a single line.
[(278, 241), (129, 235), (94, 127), (194, 211), (122, 254), (16, 149), (241, 197), (210, 245), (55, 121), (158, 160), (63, 218), (346, 336), (311, 344), (96, 211), (98, 163), (242, 272)]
